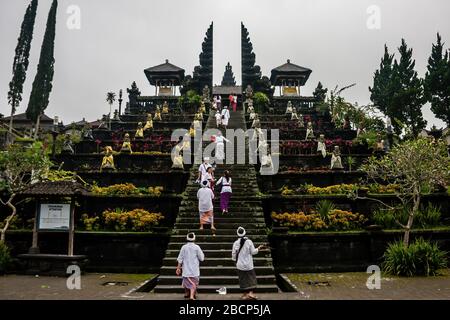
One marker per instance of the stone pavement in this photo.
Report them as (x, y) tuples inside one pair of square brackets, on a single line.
[(343, 286)]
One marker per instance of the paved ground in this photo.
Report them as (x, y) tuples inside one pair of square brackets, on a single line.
[(345, 286)]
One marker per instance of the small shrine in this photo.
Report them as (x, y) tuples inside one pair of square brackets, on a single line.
[(289, 78), (166, 78)]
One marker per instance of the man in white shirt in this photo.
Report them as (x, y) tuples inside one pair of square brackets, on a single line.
[(205, 206), (203, 170), (189, 260), (225, 116), (242, 252)]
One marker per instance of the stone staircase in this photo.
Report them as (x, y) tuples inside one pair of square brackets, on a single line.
[(218, 270)]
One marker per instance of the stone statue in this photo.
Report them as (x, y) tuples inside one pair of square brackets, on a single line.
[(256, 123), (116, 116), (300, 121), (321, 146), (165, 109), (309, 131), (108, 160), (250, 107), (289, 108), (126, 145), (202, 108), (177, 160), (252, 115), (149, 123), (157, 116), (346, 125), (87, 133), (139, 131), (68, 145), (205, 97), (249, 92), (294, 115), (336, 162), (379, 146)]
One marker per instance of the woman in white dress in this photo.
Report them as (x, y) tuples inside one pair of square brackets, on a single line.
[(218, 119), (225, 193), (220, 147), (225, 116)]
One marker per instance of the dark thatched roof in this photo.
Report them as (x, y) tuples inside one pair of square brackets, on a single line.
[(165, 71), (290, 71), (57, 188)]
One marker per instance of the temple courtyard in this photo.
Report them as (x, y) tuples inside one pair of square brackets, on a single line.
[(317, 286)]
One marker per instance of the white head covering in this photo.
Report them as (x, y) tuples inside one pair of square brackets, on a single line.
[(190, 237), (206, 159), (241, 232)]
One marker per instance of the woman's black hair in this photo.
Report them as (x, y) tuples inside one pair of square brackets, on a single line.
[(227, 175)]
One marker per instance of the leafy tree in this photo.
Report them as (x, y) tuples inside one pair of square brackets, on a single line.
[(42, 84), (416, 167), (408, 91), (260, 101), (20, 166), (110, 98), (20, 65), (320, 93), (437, 81)]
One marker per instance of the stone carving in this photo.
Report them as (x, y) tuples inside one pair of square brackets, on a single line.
[(294, 115), (309, 131), (321, 147), (336, 162), (149, 123), (126, 145), (289, 108), (139, 131), (157, 116), (67, 145), (108, 160), (165, 109)]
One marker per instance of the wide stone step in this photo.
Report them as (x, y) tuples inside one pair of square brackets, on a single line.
[(219, 253), (217, 280), (219, 232), (224, 245), (237, 213), (222, 219), (221, 262), (218, 238), (215, 271), (212, 289), (221, 224)]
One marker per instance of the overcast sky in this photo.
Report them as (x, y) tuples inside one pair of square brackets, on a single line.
[(118, 39)]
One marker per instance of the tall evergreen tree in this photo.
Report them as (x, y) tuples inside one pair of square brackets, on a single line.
[(320, 93), (381, 92), (20, 65), (42, 84), (407, 89), (437, 81)]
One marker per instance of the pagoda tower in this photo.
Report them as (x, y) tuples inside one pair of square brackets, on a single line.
[(251, 73), (203, 73), (228, 76)]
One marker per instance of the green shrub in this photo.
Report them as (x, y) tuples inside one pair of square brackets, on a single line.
[(426, 217), (420, 258), (324, 207), (5, 257), (429, 216)]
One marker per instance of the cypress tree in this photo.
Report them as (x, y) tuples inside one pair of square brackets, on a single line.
[(407, 89), (320, 93), (382, 84), (20, 65), (42, 84), (437, 81)]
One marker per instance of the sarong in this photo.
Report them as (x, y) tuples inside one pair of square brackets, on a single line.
[(206, 217), (190, 282), (247, 280), (224, 200)]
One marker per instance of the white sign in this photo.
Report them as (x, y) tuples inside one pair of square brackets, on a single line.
[(54, 216)]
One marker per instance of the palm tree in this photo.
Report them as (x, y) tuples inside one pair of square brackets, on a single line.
[(110, 98)]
